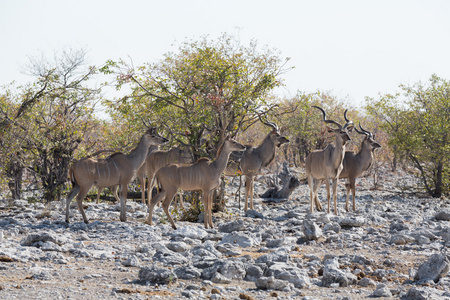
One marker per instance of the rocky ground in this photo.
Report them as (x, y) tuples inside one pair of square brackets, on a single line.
[(395, 245)]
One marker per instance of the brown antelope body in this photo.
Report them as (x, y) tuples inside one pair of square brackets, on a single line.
[(116, 170), (140, 171), (155, 161), (204, 175), (256, 158), (355, 164), (326, 164)]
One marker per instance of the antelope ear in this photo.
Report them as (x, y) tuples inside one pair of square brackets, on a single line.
[(329, 129), (350, 128)]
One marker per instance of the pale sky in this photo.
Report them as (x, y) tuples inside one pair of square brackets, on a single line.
[(351, 48)]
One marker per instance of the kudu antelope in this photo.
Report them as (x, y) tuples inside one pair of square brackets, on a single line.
[(203, 175), (116, 170), (256, 158), (355, 164), (326, 164), (114, 188), (155, 161)]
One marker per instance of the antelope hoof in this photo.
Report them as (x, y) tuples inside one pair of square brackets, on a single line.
[(86, 221)]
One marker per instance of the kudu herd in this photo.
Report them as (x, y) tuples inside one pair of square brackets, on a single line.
[(174, 170)]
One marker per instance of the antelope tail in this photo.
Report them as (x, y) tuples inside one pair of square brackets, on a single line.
[(71, 177)]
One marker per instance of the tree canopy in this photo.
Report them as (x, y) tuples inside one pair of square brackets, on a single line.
[(419, 126), (202, 93), (48, 119)]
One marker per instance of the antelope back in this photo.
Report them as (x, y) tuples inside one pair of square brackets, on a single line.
[(180, 156), (186, 177), (102, 173)]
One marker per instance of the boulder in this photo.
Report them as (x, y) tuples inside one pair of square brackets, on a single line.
[(311, 230), (233, 269), (169, 258), (401, 239), (188, 272), (333, 274), (270, 283), (237, 225), (50, 236), (443, 215), (132, 261), (219, 278), (192, 232), (154, 275), (436, 267), (241, 239), (353, 221), (382, 290), (423, 293)]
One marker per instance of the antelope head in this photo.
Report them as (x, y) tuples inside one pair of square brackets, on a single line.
[(233, 145), (341, 131), (275, 135), (154, 137), (369, 138)]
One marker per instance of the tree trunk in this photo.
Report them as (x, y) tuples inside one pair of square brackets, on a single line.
[(394, 160), (219, 197), (130, 196), (422, 172), (439, 186), (15, 173), (288, 184)]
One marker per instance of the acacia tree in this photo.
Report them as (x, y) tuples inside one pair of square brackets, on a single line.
[(201, 93), (12, 162), (304, 123), (10, 159), (419, 127), (47, 131)]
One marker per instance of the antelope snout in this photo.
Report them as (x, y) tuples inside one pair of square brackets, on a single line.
[(375, 145), (346, 138), (282, 140)]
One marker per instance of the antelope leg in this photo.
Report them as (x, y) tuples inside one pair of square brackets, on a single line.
[(75, 190)]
